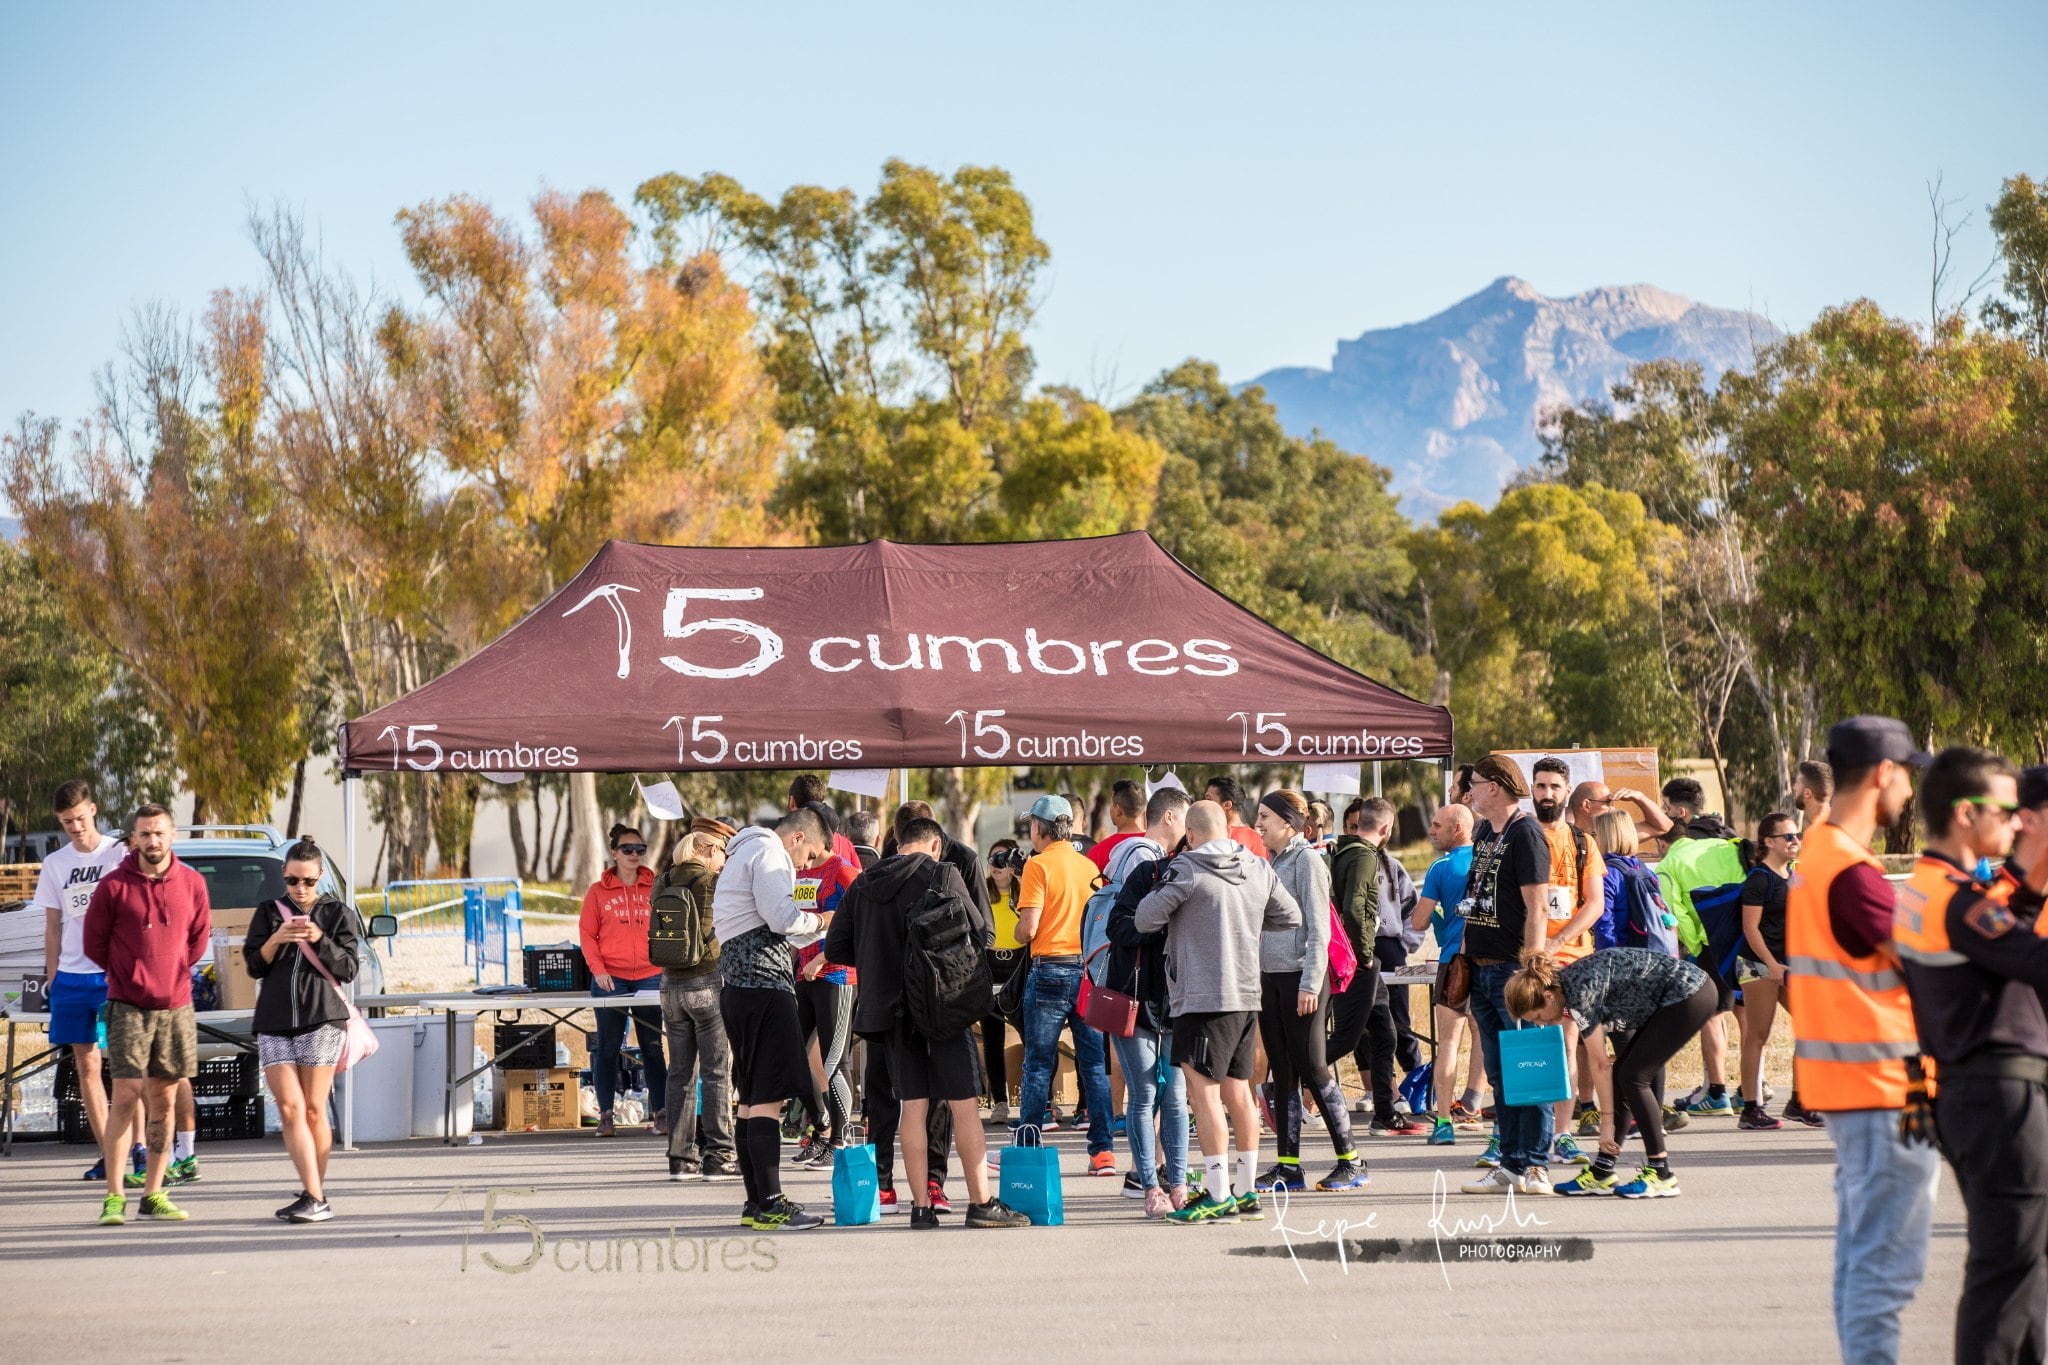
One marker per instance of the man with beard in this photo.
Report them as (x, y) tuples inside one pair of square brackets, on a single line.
[(1576, 900)]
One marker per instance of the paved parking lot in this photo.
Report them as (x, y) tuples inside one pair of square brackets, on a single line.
[(630, 1266)]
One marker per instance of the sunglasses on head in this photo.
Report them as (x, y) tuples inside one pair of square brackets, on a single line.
[(637, 850), (302, 881)]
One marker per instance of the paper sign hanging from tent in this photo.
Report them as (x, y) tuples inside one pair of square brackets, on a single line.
[(664, 802), (1170, 780), (1334, 779), (860, 781), (506, 779)]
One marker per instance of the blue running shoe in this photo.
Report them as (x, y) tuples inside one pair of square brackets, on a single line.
[(1708, 1106), (1281, 1175), (1491, 1156), (1445, 1134), (98, 1170)]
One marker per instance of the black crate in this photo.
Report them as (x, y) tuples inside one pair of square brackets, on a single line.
[(233, 1077), (556, 967), (72, 1124), (230, 1119), (67, 1079), (532, 1046)]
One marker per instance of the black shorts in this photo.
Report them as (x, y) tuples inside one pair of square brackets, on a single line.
[(768, 1060), (1216, 1044), (920, 1069)]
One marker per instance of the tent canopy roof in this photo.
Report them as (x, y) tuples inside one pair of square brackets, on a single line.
[(675, 658)]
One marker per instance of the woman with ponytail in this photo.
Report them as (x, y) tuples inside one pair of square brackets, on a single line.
[(1658, 1003)]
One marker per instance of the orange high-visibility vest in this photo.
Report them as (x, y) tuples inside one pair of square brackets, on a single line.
[(1852, 1022)]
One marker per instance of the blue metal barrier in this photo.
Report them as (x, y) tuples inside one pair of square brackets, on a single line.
[(483, 911)]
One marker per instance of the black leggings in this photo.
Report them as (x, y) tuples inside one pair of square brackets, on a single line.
[(994, 1033), (826, 1009), (1639, 1063), (1363, 1022), (1294, 1049)]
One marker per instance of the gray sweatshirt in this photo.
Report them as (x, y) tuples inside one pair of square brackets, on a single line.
[(1213, 902), (1305, 948)]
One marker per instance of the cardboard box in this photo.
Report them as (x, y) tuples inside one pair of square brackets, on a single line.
[(536, 1099), (233, 923), (1066, 1093), (235, 988)]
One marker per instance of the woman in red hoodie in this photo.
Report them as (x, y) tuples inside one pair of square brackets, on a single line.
[(614, 933)]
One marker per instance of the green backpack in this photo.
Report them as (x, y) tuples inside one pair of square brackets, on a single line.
[(679, 923)]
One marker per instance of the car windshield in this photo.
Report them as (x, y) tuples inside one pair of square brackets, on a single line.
[(237, 881)]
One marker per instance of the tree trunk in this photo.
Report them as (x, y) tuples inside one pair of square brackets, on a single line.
[(553, 850), (291, 824), (961, 812), (586, 841), (521, 861)]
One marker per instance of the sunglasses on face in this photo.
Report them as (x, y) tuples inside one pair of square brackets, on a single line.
[(1986, 803), (635, 850), (1788, 838), (302, 881)]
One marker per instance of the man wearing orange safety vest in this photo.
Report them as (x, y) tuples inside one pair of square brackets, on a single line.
[(1853, 1029), (1976, 965)]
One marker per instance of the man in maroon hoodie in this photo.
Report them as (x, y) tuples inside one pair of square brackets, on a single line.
[(148, 923)]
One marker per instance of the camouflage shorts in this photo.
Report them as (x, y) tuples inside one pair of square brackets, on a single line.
[(162, 1044)]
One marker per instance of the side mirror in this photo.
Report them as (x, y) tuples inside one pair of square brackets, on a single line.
[(383, 926)]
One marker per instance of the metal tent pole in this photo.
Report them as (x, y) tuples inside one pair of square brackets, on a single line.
[(349, 784)]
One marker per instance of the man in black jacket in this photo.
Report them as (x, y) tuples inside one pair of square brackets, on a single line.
[(871, 932)]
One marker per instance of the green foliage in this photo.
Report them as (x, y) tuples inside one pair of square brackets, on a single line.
[(2020, 219)]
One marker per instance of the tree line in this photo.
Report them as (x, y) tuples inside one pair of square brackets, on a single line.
[(312, 497)]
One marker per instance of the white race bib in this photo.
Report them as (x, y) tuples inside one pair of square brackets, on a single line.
[(1561, 906)]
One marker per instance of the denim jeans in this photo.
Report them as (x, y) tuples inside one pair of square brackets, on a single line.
[(1524, 1128), (1139, 1056), (611, 1032), (1884, 1212), (1049, 1007), (696, 1037)]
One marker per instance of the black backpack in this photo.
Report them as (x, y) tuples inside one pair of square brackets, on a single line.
[(947, 987), (676, 935)]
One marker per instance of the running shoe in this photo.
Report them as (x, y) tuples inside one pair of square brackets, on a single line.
[(97, 1171), (722, 1168), (1401, 1126), (1464, 1115), (1756, 1119), (805, 1150), (113, 1210), (135, 1180), (1444, 1134), (1709, 1106), (821, 1157), (888, 1201), (1134, 1188), (1281, 1175), (1649, 1185), (1591, 1182), (1795, 1112), (1589, 1122), (1491, 1156), (159, 1205), (1566, 1152), (926, 1217), (1495, 1181), (1117, 1126), (1051, 1123), (1102, 1163), (780, 1214), (315, 1211), (1692, 1097), (1535, 1180), (684, 1168), (183, 1172), (1248, 1206), (996, 1214), (1203, 1209), (1157, 1203), (1675, 1119), (284, 1214), (1346, 1175), (937, 1193)]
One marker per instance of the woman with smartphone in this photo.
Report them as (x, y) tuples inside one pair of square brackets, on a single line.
[(301, 948)]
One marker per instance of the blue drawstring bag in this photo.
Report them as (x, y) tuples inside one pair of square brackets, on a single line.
[(1030, 1180), (1418, 1088), (856, 1189), (1533, 1067)]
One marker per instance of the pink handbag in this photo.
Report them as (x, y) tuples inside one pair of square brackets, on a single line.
[(361, 1039), (1343, 961)]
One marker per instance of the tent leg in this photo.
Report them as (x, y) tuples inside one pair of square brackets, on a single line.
[(902, 785), (1376, 778), (349, 786)]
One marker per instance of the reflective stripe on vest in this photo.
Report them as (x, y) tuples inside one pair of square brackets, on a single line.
[(1852, 1022)]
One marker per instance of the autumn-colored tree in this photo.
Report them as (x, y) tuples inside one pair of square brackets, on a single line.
[(157, 529)]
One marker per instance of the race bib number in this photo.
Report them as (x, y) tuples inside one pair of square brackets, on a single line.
[(1560, 903)]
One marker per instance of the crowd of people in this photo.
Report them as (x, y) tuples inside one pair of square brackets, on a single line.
[(1254, 957)]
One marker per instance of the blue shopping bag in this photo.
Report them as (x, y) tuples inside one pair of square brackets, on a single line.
[(856, 1190), (1030, 1181), (1533, 1067)]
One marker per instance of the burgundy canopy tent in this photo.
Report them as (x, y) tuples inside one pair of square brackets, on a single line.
[(675, 658)]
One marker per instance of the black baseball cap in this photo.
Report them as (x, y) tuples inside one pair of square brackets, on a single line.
[(2034, 787), (1862, 742)]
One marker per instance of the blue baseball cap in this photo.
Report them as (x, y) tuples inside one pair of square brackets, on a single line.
[(1052, 808)]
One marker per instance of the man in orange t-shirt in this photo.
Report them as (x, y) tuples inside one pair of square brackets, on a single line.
[(1576, 902)]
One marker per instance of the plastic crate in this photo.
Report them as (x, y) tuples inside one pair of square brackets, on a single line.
[(67, 1080), (230, 1119), (233, 1077), (532, 1046), (72, 1124), (556, 967)]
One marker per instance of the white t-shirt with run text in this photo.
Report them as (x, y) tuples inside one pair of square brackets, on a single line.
[(66, 883)]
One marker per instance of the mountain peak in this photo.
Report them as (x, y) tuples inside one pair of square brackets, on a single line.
[(1452, 403)]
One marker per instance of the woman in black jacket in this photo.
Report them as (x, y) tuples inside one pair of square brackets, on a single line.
[(1153, 1085), (301, 1018)]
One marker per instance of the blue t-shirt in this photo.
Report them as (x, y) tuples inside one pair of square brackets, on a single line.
[(1444, 883)]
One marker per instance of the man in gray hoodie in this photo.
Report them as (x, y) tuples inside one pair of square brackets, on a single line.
[(1215, 901), (755, 915)]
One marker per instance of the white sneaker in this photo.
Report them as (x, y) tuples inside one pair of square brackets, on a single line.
[(1535, 1180), (1364, 1105), (1312, 1119), (1495, 1181), (1401, 1107)]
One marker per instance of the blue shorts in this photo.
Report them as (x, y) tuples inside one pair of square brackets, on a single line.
[(77, 1002)]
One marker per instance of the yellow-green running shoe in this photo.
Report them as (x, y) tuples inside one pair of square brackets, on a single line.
[(1247, 1205), (113, 1210), (1205, 1208), (184, 1172), (159, 1205)]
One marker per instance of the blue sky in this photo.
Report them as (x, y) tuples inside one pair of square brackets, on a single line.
[(1246, 184)]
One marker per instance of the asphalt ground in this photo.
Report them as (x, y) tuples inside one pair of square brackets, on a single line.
[(1738, 1267)]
